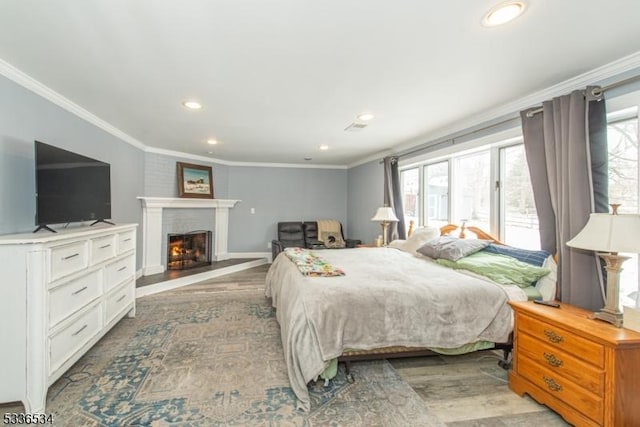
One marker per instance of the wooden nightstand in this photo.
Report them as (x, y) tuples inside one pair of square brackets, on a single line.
[(586, 370)]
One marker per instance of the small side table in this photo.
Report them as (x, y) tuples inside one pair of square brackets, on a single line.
[(584, 369)]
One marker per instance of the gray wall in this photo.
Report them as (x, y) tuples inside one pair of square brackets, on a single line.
[(281, 194), (161, 177), (366, 195), (276, 194), (25, 117)]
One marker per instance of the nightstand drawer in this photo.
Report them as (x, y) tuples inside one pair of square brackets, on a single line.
[(557, 386), (556, 360), (557, 337)]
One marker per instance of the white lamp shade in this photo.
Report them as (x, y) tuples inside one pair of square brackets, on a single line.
[(609, 233), (385, 214)]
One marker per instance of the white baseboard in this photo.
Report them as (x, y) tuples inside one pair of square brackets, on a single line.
[(235, 255)]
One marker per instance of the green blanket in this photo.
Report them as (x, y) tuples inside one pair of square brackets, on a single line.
[(501, 269)]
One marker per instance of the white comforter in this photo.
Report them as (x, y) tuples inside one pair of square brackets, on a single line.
[(387, 297)]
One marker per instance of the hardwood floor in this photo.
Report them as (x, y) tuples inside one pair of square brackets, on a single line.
[(464, 391), (472, 390)]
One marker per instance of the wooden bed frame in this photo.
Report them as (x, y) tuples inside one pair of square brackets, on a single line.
[(396, 352)]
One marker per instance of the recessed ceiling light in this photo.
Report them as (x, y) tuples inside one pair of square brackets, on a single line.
[(324, 147), (365, 116), (192, 105), (212, 141), (503, 13)]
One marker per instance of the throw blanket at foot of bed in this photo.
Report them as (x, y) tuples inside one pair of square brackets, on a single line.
[(387, 298), (310, 264)]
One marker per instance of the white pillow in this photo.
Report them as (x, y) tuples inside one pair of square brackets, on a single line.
[(397, 244), (547, 284), (419, 237)]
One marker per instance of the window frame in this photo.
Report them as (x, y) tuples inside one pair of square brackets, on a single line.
[(496, 178)]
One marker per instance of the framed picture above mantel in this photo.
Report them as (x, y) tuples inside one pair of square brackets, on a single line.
[(195, 181)]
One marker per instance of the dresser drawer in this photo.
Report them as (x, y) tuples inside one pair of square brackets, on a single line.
[(66, 299), (102, 248), (556, 360), (126, 241), (561, 388), (70, 339), (119, 271), (67, 259), (118, 299), (557, 337)]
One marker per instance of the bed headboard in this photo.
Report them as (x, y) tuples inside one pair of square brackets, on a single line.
[(450, 228)]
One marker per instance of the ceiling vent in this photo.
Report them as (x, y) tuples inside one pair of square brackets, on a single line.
[(355, 127)]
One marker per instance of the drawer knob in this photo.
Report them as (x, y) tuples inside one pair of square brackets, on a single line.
[(121, 298), (553, 360), (79, 290), (553, 386), (70, 256), (122, 268), (553, 337), (105, 246)]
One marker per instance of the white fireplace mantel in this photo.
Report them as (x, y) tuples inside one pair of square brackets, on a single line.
[(152, 227)]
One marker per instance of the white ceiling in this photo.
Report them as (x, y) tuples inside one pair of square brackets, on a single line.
[(278, 78)]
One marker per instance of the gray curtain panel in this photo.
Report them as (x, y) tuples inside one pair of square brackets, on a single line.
[(566, 148), (393, 198)]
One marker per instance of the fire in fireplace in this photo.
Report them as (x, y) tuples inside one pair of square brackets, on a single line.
[(188, 250)]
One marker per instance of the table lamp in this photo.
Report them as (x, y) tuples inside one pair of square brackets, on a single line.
[(385, 215), (608, 234)]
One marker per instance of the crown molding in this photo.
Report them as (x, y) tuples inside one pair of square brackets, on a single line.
[(373, 157), (605, 74), (28, 82), (241, 164)]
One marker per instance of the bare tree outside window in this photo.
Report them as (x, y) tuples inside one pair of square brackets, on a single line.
[(520, 223), (624, 189)]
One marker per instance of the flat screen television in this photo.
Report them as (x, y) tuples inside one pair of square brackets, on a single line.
[(70, 187)]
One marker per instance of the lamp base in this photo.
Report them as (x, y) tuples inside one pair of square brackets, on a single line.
[(385, 226), (611, 316)]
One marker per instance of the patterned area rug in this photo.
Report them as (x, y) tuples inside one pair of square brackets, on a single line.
[(215, 359)]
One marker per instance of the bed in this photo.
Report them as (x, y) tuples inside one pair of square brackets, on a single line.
[(388, 298)]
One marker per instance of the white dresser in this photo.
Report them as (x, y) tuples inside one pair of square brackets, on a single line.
[(59, 294)]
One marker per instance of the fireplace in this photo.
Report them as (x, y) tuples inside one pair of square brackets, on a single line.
[(188, 250)]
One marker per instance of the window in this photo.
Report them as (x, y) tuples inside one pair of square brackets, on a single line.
[(519, 226), (462, 187), (436, 194), (410, 182), (490, 187), (624, 189), (472, 190)]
